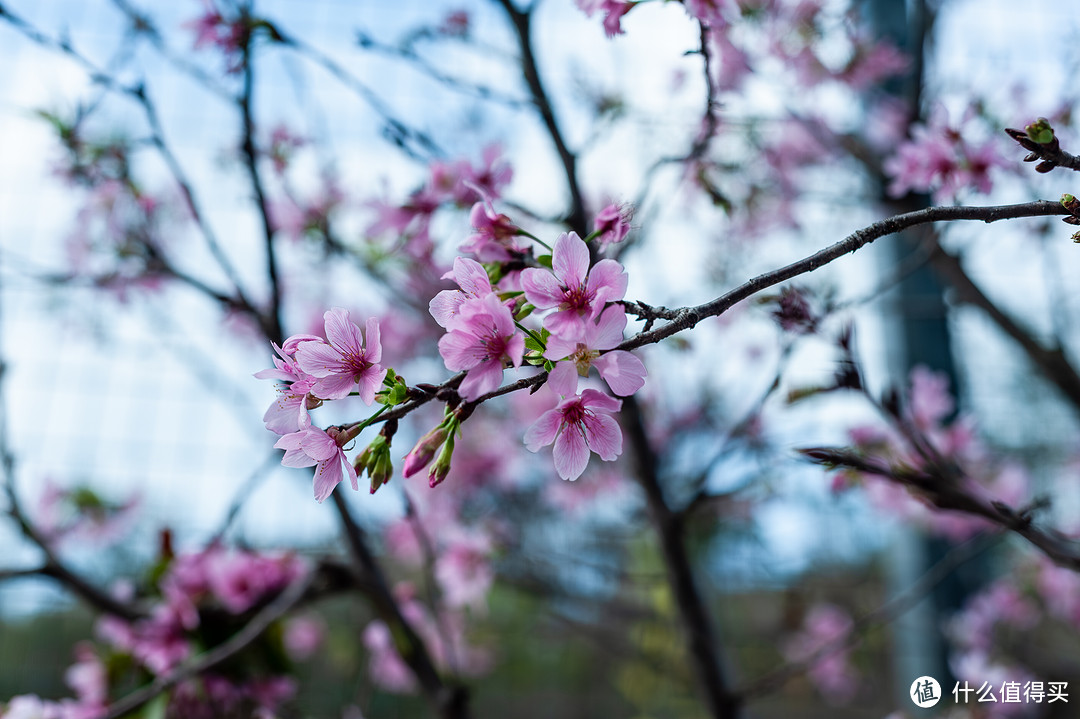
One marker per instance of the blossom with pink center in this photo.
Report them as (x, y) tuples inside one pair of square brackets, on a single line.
[(344, 363), (578, 426), (493, 239), (312, 446), (623, 372), (482, 338), (578, 292), (612, 224), (473, 280), (239, 580)]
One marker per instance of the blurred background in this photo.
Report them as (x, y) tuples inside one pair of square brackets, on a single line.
[(129, 405)]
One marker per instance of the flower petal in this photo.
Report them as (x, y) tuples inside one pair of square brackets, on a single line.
[(596, 400), (341, 333), (570, 259), (336, 386), (543, 430), (446, 305), (603, 435), (608, 330), (566, 324), (461, 350), (373, 348), (623, 372), (541, 288), (607, 280), (318, 359), (369, 382), (471, 277), (571, 452), (563, 379), (327, 476), (481, 379)]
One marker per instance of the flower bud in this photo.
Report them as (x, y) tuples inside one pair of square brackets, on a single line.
[(424, 451), (1040, 131), (441, 468), (381, 470)]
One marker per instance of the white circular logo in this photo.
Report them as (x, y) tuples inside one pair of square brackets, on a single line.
[(925, 692)]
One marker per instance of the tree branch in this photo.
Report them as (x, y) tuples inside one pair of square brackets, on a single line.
[(522, 22), (1052, 362), (448, 701)]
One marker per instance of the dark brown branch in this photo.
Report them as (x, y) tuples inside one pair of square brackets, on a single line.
[(945, 491), (1050, 153), (690, 316), (693, 614), (522, 22), (1052, 362), (685, 318), (272, 322)]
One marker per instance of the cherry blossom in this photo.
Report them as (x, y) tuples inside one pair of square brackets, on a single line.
[(344, 363), (481, 339), (578, 292), (473, 280), (493, 236), (612, 224), (313, 446), (623, 372), (578, 426)]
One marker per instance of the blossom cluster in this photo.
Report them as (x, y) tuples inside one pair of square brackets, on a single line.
[(485, 333), (197, 598)]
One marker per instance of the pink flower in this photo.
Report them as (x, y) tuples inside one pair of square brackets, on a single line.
[(463, 570), (623, 372), (344, 364), (613, 9), (612, 224), (312, 446), (577, 426), (929, 401), (578, 293), (481, 339), (303, 636), (831, 672), (473, 280), (283, 415), (943, 158), (493, 239)]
